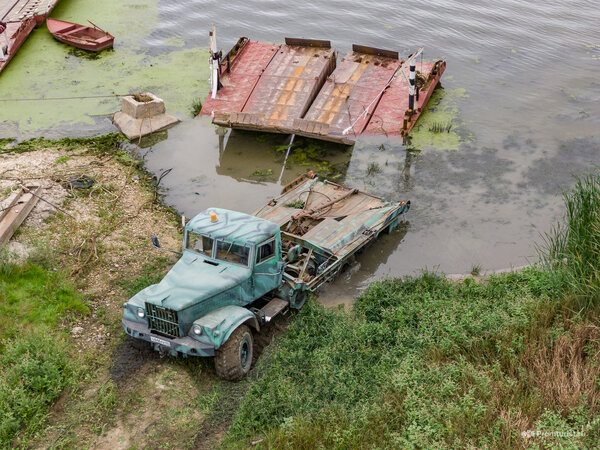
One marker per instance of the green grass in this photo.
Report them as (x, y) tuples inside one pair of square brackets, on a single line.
[(32, 296), (105, 143), (440, 127), (476, 270), (196, 107), (299, 204), (34, 370), (575, 243), (262, 173), (373, 169), (373, 375), (34, 363)]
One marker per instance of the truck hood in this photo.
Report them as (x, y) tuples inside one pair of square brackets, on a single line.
[(192, 280)]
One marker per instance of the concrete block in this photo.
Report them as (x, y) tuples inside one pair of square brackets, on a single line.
[(140, 118), (149, 106)]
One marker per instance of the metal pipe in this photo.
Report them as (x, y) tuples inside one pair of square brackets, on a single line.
[(325, 205), (411, 88)]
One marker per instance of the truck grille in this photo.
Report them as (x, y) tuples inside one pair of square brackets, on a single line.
[(162, 320)]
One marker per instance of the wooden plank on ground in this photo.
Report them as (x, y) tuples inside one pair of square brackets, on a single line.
[(16, 208)]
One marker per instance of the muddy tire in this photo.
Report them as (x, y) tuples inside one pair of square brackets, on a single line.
[(233, 359)]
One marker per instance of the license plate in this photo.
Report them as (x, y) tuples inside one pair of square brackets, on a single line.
[(160, 341)]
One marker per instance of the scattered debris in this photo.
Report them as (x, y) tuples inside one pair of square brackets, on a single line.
[(80, 182)]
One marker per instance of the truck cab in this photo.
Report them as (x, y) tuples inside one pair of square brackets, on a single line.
[(229, 260)]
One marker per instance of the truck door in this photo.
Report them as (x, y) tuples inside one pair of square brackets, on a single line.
[(266, 276)]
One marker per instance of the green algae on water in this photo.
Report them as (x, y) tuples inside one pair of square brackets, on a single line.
[(439, 123), (47, 69)]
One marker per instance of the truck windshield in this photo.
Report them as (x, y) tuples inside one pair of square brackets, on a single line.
[(199, 244), (228, 251)]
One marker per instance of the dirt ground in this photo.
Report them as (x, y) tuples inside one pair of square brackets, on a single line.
[(126, 395)]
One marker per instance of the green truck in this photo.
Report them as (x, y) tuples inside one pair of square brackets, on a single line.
[(238, 271)]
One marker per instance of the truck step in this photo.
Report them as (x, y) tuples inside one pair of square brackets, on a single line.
[(273, 308)]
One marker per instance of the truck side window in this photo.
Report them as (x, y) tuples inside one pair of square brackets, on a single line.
[(265, 251)]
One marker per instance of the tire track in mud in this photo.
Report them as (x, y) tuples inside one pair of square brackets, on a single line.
[(233, 393), (129, 358)]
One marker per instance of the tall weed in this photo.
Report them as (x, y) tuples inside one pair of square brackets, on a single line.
[(575, 243)]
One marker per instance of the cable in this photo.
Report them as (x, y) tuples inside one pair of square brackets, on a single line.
[(59, 98)]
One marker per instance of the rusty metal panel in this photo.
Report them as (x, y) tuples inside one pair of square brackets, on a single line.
[(287, 87), (345, 104), (391, 111), (374, 51), (307, 42), (246, 69)]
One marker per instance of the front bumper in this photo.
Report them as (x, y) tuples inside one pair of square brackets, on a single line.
[(174, 346)]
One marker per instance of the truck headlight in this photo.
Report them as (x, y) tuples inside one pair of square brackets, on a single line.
[(141, 313), (197, 329)]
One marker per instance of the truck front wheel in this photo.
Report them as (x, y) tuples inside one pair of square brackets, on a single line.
[(234, 358)]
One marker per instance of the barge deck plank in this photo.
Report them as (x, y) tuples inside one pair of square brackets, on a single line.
[(246, 70), (284, 90), (349, 97), (389, 116), (20, 17), (15, 210)]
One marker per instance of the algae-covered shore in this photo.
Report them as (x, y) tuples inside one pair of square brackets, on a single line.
[(495, 362)]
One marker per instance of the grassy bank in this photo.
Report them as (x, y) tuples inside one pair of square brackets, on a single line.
[(61, 297), (34, 362), (428, 363)]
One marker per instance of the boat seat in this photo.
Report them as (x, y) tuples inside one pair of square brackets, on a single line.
[(69, 28), (103, 39), (75, 30)]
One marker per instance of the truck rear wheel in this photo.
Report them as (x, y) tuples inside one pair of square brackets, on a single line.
[(234, 358)]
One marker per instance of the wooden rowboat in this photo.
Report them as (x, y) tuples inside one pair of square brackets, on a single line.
[(93, 38)]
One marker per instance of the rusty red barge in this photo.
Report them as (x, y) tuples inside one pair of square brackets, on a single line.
[(298, 88), (18, 18)]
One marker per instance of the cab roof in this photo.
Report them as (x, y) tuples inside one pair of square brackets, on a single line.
[(233, 226)]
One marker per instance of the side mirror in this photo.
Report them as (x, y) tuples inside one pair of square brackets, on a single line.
[(157, 245)]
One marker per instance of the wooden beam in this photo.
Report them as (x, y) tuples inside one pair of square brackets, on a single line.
[(16, 210)]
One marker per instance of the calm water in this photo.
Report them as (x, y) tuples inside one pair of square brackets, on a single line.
[(521, 90)]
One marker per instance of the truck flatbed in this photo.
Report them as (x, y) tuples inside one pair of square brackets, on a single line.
[(323, 224)]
